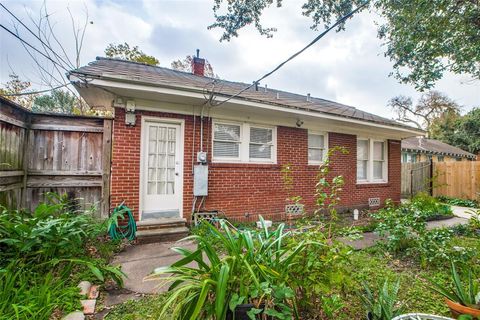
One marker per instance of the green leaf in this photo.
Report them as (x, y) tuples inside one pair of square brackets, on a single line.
[(221, 291), (253, 312), (96, 272)]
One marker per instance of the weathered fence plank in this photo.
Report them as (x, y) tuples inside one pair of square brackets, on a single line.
[(42, 153), (415, 177), (457, 179)]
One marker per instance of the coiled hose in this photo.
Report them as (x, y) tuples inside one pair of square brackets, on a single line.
[(127, 231)]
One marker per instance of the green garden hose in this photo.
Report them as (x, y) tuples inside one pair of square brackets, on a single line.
[(127, 231)]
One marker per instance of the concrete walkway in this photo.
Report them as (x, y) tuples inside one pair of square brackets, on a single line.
[(464, 212), (139, 261)]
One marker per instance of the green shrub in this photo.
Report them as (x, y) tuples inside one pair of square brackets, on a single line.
[(429, 206), (400, 225), (43, 255), (459, 202)]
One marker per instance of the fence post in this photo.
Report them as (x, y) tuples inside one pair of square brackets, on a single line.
[(411, 183), (431, 178)]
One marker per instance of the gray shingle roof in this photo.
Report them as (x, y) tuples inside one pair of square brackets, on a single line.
[(133, 71), (433, 146)]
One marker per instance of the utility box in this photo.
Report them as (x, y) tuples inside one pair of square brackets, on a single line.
[(200, 180)]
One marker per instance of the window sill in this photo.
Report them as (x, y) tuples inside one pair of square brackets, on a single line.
[(376, 184), (244, 165)]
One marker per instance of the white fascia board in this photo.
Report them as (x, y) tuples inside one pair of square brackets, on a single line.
[(196, 93)]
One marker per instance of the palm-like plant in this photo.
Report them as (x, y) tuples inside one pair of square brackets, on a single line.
[(251, 268), (383, 305), (466, 294)]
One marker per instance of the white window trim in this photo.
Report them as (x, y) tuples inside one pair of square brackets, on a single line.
[(370, 178), (325, 146), (244, 145)]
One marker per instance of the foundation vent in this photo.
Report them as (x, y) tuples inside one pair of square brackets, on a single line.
[(373, 202)]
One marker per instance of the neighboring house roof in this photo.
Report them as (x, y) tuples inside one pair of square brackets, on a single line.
[(121, 70), (433, 146)]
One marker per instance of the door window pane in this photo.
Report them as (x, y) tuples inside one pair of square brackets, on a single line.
[(161, 159)]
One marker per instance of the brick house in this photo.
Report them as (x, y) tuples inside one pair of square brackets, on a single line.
[(174, 153)]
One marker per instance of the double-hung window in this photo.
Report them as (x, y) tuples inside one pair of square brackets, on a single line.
[(260, 144), (371, 160), (243, 142), (226, 141), (317, 146)]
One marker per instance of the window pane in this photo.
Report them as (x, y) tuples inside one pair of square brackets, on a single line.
[(315, 155), (228, 132), (260, 151), (362, 170), (151, 188), (378, 148), (362, 149), (152, 133), (225, 149), (377, 170), (315, 141), (260, 135)]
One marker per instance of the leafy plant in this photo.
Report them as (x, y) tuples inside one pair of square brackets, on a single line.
[(327, 191), (399, 225), (253, 268), (466, 293), (43, 252), (288, 185), (459, 202), (381, 305), (331, 305)]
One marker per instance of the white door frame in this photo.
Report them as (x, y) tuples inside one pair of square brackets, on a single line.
[(176, 121)]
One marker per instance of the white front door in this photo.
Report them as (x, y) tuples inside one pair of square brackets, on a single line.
[(162, 164)]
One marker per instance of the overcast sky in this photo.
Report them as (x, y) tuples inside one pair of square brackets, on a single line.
[(347, 67)]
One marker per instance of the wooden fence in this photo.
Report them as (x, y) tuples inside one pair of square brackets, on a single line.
[(42, 153), (416, 177), (457, 179)]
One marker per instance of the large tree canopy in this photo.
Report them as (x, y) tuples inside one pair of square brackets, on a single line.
[(125, 52), (423, 38), (462, 131), (431, 109)]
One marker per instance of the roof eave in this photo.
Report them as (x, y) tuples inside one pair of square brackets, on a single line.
[(240, 100)]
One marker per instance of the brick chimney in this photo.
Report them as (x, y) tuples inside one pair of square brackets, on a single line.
[(198, 65)]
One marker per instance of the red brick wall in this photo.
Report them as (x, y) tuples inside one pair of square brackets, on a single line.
[(243, 189)]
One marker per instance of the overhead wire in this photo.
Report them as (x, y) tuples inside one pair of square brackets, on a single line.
[(31, 46), (36, 36), (338, 22), (35, 92)]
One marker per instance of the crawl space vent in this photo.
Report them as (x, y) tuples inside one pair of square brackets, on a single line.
[(373, 202)]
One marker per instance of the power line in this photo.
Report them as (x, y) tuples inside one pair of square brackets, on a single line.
[(28, 44), (34, 92), (341, 20), (39, 39)]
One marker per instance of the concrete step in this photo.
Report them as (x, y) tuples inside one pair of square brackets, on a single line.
[(162, 234), (164, 223)]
